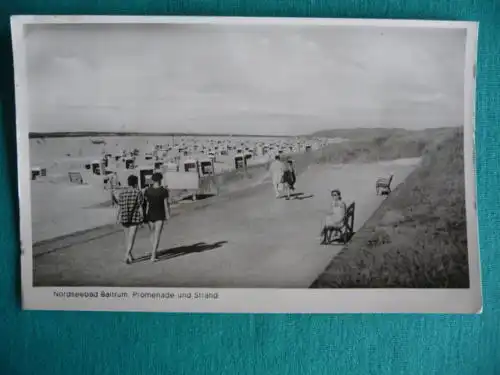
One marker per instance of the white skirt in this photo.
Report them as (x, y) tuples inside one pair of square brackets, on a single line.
[(333, 221)]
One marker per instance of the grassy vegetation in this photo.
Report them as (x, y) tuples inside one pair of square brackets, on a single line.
[(372, 133), (371, 145), (417, 238)]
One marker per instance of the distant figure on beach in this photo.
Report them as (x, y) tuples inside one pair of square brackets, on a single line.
[(113, 183), (130, 213), (277, 170), (157, 210), (334, 221)]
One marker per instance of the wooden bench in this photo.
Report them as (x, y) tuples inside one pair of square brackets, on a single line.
[(383, 185), (341, 234)]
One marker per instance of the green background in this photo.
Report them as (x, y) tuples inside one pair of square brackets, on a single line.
[(133, 343)]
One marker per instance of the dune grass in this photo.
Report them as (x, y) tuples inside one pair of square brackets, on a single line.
[(417, 238), (383, 146)]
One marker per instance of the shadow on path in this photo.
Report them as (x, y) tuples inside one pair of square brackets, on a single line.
[(199, 197), (339, 241), (182, 250), (302, 197), (298, 196)]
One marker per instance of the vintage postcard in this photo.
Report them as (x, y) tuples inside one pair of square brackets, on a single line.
[(220, 164)]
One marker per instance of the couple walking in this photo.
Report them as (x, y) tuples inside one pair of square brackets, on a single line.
[(283, 176), (136, 207)]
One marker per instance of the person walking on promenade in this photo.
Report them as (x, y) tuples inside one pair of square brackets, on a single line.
[(277, 170), (289, 178), (157, 210), (130, 213), (286, 180), (293, 175)]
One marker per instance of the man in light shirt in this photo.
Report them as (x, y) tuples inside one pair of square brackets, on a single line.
[(277, 169)]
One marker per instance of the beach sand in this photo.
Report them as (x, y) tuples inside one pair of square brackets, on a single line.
[(59, 209)]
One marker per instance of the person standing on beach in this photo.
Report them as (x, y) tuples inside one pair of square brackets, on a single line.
[(277, 170), (130, 213), (112, 185), (157, 210)]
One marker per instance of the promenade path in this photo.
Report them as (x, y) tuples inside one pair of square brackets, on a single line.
[(247, 240)]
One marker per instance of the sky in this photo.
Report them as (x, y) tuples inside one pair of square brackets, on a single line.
[(250, 79)]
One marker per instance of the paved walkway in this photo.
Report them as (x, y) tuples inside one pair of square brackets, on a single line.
[(253, 240)]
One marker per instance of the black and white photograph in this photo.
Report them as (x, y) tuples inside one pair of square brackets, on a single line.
[(246, 164)]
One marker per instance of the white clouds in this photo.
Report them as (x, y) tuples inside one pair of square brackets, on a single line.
[(210, 78)]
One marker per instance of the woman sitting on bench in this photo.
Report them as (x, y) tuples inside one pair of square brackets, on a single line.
[(334, 222)]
